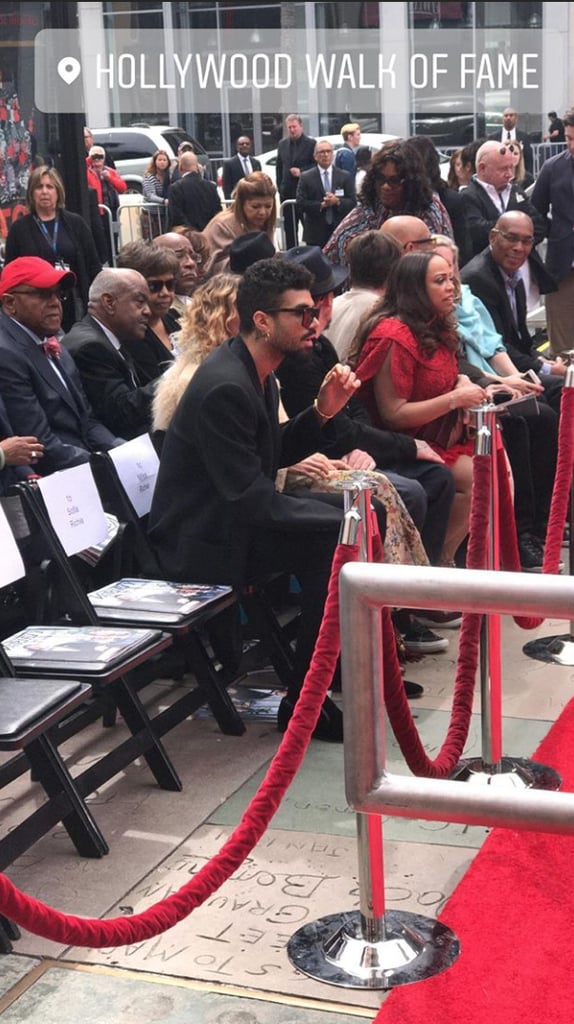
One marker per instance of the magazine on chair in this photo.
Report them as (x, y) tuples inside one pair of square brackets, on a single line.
[(161, 600), (76, 648)]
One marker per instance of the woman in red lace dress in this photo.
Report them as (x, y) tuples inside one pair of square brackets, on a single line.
[(405, 354)]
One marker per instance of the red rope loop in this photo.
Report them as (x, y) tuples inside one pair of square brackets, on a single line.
[(396, 702), (41, 919), (510, 557)]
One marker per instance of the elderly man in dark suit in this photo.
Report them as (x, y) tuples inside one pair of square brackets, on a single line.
[(553, 190), (41, 387), (192, 200), (491, 192), (325, 195), (239, 166), (295, 154), (118, 311), (216, 514), (496, 276)]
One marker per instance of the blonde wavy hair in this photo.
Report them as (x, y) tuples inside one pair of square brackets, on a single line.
[(204, 327)]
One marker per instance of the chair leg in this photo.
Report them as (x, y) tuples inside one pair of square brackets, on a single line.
[(137, 720), (49, 768), (224, 711), (272, 635)]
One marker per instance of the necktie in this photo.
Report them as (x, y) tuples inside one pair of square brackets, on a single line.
[(513, 282), (508, 136), (327, 187), (52, 348), (246, 165)]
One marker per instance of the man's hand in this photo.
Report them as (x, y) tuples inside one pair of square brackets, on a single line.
[(335, 391), (426, 453), (358, 460), (317, 466), (21, 451), (295, 172)]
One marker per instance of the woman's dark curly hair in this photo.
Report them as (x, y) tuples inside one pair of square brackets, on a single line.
[(406, 299), (417, 191)]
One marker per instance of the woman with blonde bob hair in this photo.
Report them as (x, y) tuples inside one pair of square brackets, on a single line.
[(209, 319), (253, 209), (52, 233)]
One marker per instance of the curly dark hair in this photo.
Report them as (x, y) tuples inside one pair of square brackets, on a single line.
[(417, 190), (406, 299)]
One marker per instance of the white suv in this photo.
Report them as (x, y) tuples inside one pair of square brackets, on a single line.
[(132, 148)]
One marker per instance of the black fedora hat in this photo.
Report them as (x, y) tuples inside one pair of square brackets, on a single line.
[(247, 249), (327, 278)]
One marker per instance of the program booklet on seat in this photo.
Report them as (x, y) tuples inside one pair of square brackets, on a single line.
[(161, 600), (79, 648)]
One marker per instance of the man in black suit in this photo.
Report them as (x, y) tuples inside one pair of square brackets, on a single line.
[(41, 387), (491, 192), (295, 154), (494, 276), (192, 200), (118, 311), (510, 133), (325, 195), (553, 190), (238, 166), (216, 514)]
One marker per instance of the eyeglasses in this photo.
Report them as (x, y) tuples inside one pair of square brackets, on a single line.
[(96, 157), (45, 294), (509, 236), (155, 286), (430, 240), (307, 313), (393, 180)]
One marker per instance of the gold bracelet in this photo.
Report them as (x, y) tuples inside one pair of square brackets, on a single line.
[(318, 411)]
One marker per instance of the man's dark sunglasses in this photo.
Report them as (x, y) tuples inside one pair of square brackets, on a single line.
[(307, 313), (155, 287)]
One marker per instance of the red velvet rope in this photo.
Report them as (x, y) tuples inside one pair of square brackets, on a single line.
[(510, 558), (396, 703), (41, 919)]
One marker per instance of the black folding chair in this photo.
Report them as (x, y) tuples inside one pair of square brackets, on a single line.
[(256, 598), (59, 599), (48, 510)]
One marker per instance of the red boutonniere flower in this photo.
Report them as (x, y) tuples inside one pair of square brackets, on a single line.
[(52, 348)]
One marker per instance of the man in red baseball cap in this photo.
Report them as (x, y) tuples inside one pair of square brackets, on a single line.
[(39, 382)]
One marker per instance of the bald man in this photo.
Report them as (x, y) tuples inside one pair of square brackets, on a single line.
[(192, 200), (491, 192), (410, 232), (118, 311)]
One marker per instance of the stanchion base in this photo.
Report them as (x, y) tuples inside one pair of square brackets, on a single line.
[(557, 649), (511, 773), (333, 950)]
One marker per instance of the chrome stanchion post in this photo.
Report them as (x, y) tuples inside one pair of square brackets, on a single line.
[(559, 649), (371, 948), (492, 768)]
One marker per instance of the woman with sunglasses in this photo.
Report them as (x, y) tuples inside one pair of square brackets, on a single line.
[(253, 209), (395, 183), (64, 239), (153, 353)]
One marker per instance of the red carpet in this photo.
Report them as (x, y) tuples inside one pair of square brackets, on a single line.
[(513, 913)]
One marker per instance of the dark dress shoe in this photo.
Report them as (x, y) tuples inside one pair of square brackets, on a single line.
[(328, 728), (412, 689)]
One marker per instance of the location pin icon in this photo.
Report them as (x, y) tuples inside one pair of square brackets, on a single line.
[(68, 69)]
